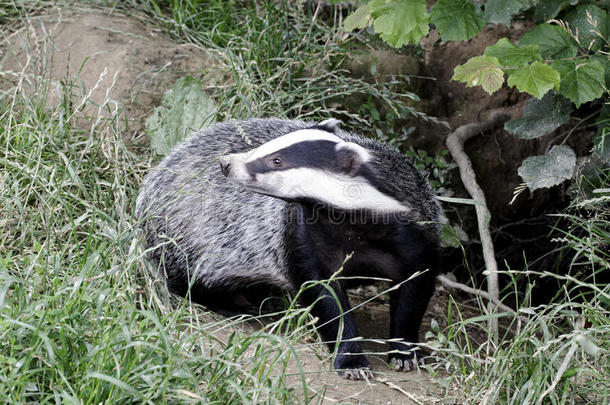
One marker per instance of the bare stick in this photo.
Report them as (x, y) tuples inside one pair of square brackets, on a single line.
[(476, 292), (455, 144)]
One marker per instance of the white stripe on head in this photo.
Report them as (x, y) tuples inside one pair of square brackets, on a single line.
[(285, 141), (364, 154), (335, 190)]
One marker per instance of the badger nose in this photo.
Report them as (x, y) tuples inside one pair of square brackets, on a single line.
[(225, 165)]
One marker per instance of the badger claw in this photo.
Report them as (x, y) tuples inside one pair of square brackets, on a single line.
[(357, 374), (406, 364)]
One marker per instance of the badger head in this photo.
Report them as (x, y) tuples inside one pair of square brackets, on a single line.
[(311, 165)]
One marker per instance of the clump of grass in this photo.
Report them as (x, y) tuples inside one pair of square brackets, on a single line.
[(81, 319), (555, 353), (278, 60)]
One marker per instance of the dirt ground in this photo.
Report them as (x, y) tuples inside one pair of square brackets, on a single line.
[(115, 62), (108, 61)]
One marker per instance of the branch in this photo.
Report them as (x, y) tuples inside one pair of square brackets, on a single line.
[(476, 292), (455, 144)]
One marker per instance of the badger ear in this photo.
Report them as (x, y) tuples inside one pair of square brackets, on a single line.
[(329, 125), (350, 157)]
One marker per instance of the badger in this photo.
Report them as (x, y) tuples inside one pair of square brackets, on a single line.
[(268, 204)]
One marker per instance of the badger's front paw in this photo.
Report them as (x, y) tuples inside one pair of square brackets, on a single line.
[(353, 367), (406, 360)]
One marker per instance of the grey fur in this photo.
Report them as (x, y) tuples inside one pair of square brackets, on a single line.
[(196, 223)]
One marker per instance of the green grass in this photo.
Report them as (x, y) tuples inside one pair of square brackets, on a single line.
[(558, 353), (81, 319)]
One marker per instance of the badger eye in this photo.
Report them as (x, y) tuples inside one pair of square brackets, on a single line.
[(277, 162)]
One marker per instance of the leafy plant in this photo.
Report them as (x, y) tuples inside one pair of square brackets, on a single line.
[(563, 61), (185, 108)]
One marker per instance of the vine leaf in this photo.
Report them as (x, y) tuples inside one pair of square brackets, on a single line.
[(547, 9), (540, 117), (511, 55), (605, 61), (552, 40), (185, 108), (582, 80), (588, 22), (502, 11), (456, 20), (358, 19), (535, 79), (399, 22), (481, 70), (553, 168)]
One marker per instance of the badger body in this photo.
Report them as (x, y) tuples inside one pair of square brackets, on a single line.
[(290, 201)]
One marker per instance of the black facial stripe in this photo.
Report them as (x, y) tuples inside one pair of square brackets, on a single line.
[(317, 154)]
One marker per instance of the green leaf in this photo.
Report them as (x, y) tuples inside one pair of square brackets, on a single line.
[(547, 9), (456, 20), (541, 117), (358, 19), (502, 11), (399, 22), (581, 80), (601, 142), (605, 61), (552, 40), (535, 79), (511, 55), (550, 169), (481, 71), (185, 108), (588, 22)]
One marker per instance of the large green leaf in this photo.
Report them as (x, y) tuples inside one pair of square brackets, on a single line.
[(399, 22), (502, 11), (511, 55), (456, 20), (541, 116), (550, 169), (605, 61), (185, 108), (581, 80), (587, 22), (481, 71), (552, 40), (535, 79), (547, 9), (358, 19)]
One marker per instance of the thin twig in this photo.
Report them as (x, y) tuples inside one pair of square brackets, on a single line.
[(455, 144), (476, 292)]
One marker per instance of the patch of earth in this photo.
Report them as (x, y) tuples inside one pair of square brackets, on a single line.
[(373, 319), (106, 60), (498, 154)]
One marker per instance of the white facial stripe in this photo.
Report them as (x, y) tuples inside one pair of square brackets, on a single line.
[(336, 190), (290, 139), (365, 156)]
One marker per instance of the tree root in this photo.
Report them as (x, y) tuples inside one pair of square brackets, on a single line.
[(455, 143)]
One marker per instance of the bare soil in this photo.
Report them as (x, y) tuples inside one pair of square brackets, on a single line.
[(113, 59)]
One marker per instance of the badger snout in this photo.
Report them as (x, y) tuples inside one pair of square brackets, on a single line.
[(225, 165)]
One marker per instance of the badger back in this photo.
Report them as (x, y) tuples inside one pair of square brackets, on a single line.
[(195, 223)]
